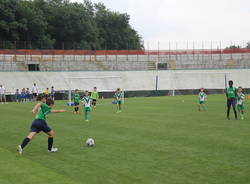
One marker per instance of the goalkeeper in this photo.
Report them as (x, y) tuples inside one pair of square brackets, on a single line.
[(94, 97)]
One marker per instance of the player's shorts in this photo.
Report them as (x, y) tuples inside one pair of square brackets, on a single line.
[(87, 109), (119, 102), (34, 94), (240, 107), (94, 101), (76, 103), (202, 102), (39, 125), (231, 101)]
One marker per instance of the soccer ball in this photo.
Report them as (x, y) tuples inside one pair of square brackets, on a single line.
[(90, 142)]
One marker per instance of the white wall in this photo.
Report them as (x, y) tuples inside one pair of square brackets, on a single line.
[(127, 80)]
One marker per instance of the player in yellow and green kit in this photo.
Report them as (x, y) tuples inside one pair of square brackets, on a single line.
[(202, 99), (118, 99), (231, 94), (240, 105), (76, 100), (86, 100), (94, 96)]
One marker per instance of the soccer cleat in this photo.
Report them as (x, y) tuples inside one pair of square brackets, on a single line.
[(19, 149), (53, 150)]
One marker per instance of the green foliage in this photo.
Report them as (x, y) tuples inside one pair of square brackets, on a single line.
[(61, 24)]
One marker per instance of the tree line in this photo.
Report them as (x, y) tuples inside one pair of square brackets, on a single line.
[(61, 24)]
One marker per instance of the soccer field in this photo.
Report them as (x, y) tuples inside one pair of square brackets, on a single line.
[(154, 140)]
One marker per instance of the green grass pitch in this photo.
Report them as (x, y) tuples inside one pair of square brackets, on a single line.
[(154, 140)]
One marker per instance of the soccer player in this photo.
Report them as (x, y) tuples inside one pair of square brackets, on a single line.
[(94, 96), (231, 94), (86, 100), (118, 99), (202, 99), (76, 100), (39, 124), (240, 105)]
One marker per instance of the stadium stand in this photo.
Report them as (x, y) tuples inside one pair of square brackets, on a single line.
[(71, 60)]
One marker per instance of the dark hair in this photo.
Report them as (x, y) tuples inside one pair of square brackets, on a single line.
[(230, 82), (49, 101)]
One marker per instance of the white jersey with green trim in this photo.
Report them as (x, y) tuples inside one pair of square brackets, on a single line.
[(240, 98), (118, 96), (202, 96), (87, 101)]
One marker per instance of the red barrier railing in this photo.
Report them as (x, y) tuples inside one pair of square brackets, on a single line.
[(122, 52)]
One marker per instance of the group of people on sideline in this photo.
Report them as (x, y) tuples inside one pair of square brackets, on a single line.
[(25, 95)]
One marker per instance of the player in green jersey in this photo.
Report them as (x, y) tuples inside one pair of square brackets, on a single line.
[(41, 111), (94, 96), (240, 105), (202, 99), (76, 100), (231, 94), (118, 99), (86, 100)]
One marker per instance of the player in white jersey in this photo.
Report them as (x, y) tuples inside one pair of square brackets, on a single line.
[(86, 100), (240, 104), (118, 99), (202, 98)]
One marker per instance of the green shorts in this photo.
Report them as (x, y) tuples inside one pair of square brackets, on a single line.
[(119, 102), (240, 107), (87, 109), (201, 102)]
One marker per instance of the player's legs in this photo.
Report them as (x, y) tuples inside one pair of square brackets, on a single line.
[(234, 108), (86, 113), (25, 141), (204, 107), (240, 108), (199, 107), (51, 135), (94, 102), (76, 107), (228, 107), (119, 106)]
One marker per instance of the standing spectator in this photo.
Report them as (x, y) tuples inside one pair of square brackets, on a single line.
[(17, 95), (2, 95), (52, 93), (27, 94), (46, 92), (34, 91), (23, 94)]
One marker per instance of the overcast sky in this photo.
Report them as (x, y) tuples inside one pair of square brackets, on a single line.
[(186, 20)]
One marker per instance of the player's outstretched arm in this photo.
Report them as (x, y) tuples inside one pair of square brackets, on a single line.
[(58, 110), (35, 109)]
